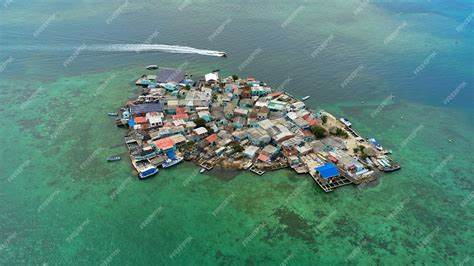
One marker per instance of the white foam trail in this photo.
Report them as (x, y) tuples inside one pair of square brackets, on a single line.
[(117, 48), (150, 47)]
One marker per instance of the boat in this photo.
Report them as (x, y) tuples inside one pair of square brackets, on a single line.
[(375, 143), (346, 122), (144, 168), (152, 67), (221, 54), (392, 168), (305, 98), (112, 114), (171, 161), (114, 158), (202, 170), (147, 172)]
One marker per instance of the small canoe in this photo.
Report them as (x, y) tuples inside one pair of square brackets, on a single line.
[(202, 170), (305, 98), (112, 114), (152, 67), (114, 158)]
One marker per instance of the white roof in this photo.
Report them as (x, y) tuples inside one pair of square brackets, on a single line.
[(154, 119), (266, 124), (200, 130), (211, 76), (292, 115), (251, 150), (204, 114)]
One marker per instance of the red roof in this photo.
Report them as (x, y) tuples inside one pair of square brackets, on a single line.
[(180, 111), (332, 159), (312, 121), (180, 116), (264, 158), (164, 144), (307, 132), (139, 120), (211, 138), (251, 79)]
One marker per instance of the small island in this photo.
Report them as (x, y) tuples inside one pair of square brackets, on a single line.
[(242, 123)]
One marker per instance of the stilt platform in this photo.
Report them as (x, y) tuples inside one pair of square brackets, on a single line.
[(257, 171), (328, 187)]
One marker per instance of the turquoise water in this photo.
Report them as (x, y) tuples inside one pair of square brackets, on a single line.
[(62, 203)]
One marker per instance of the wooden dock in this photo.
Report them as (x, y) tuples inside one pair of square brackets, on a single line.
[(205, 164), (257, 171), (338, 182)]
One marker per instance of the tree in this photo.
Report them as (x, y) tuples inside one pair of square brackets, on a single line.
[(341, 133), (235, 77), (199, 122), (356, 150), (238, 148), (319, 132), (324, 118)]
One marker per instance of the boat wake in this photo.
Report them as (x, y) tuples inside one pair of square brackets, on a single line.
[(149, 48), (117, 48)]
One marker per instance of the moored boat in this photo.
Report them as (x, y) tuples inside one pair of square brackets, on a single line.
[(147, 172), (170, 162), (305, 98), (202, 170), (346, 122), (112, 114), (375, 143), (152, 67), (114, 158)]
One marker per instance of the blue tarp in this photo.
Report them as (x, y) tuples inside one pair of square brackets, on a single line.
[(328, 170), (131, 123), (171, 154)]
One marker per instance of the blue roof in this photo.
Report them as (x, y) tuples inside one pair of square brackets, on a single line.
[(171, 154), (328, 170), (170, 75)]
